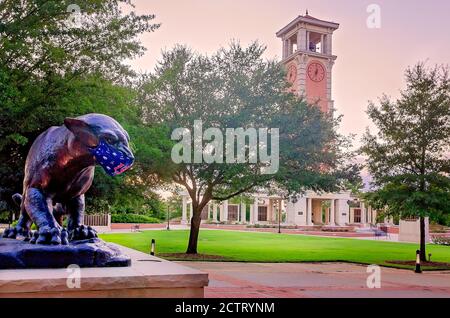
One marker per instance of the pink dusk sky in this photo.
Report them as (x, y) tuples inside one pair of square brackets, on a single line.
[(370, 61)]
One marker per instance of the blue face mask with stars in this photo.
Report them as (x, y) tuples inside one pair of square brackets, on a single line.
[(112, 160)]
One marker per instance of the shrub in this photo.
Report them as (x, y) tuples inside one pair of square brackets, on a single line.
[(4, 217), (441, 240), (271, 226), (335, 229), (133, 218), (33, 226)]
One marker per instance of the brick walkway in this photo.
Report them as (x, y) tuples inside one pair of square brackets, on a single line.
[(337, 280), (126, 228)]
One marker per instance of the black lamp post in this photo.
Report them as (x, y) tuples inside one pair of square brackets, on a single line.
[(279, 223), (279, 220), (240, 210), (168, 218)]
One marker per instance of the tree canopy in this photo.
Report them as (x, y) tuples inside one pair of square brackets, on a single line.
[(237, 88), (409, 156), (51, 69)]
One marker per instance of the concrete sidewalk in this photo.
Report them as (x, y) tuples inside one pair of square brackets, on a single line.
[(306, 280)]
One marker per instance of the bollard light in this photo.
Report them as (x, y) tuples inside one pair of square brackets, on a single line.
[(152, 249), (418, 270), (279, 221), (429, 257)]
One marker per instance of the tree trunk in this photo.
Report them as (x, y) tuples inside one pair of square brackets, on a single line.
[(195, 229), (423, 255)]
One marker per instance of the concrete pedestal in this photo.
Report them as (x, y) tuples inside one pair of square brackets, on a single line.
[(409, 231), (148, 276)]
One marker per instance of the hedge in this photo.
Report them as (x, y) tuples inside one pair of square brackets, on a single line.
[(33, 226), (441, 240), (133, 218), (118, 218)]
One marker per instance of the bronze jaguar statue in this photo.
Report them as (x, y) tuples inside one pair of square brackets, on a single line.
[(59, 170)]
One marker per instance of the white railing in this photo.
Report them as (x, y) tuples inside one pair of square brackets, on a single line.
[(100, 222)]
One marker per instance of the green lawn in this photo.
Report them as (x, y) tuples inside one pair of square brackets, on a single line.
[(272, 247)]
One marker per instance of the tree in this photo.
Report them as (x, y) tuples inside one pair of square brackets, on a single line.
[(237, 88), (51, 69), (409, 156)]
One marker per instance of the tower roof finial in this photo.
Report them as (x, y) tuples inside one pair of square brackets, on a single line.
[(307, 13)]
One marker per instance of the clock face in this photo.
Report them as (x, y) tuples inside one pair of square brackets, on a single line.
[(316, 72), (292, 73)]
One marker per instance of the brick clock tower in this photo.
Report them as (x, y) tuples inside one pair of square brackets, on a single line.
[(308, 58)]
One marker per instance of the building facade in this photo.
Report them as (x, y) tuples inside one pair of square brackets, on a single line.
[(310, 209)]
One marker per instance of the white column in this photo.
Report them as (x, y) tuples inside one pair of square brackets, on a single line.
[(309, 211), (338, 212), (374, 215), (270, 211), (184, 211), (190, 212), (322, 44), (243, 213), (215, 212), (255, 211), (329, 44), (221, 212), (342, 209), (307, 40), (280, 211), (225, 211), (301, 39), (285, 49), (252, 218), (333, 212), (363, 213)]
